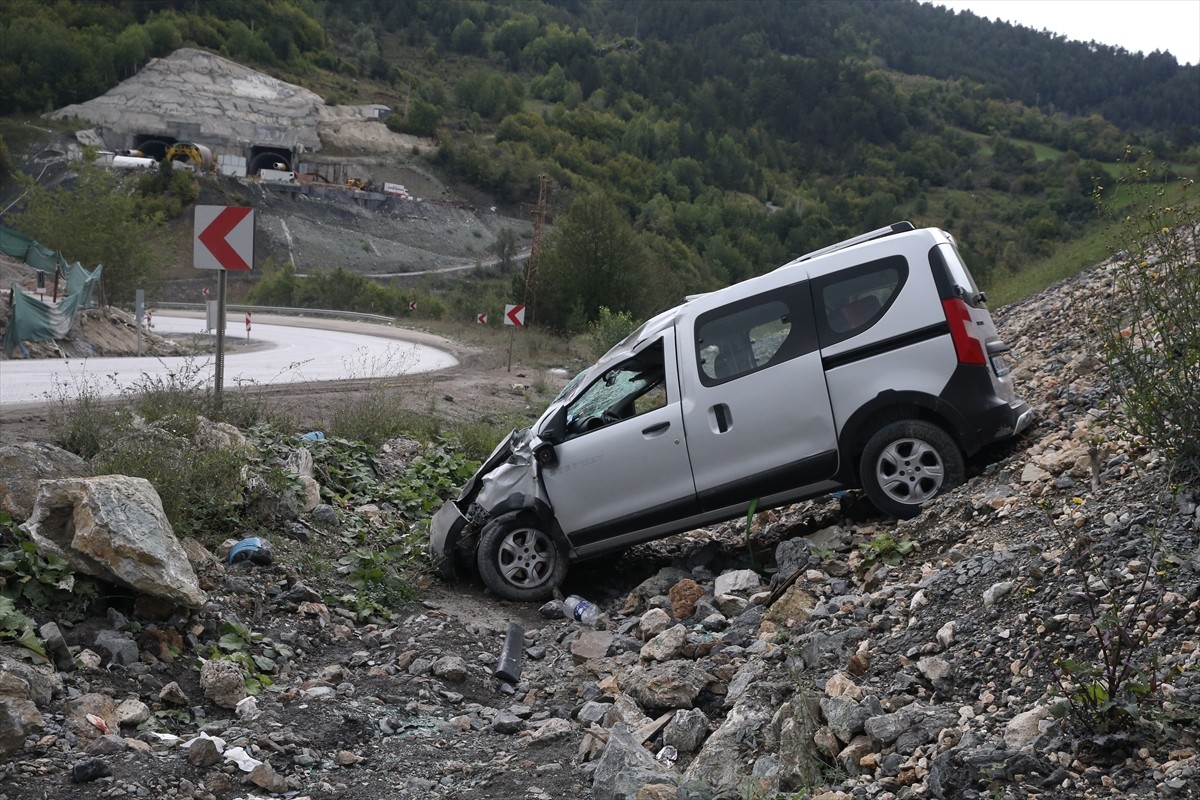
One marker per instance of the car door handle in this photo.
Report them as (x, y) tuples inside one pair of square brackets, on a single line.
[(656, 430), (721, 417)]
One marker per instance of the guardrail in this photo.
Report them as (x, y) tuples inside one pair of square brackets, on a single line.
[(290, 312)]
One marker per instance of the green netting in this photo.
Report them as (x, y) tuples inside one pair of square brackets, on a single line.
[(80, 281), (21, 247), (33, 320)]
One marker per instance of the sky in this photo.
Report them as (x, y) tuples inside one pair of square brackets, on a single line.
[(1142, 26)]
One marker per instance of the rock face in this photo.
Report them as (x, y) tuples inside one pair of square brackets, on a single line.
[(197, 96), (23, 466), (113, 527)]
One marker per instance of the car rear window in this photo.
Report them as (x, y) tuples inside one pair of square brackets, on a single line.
[(852, 300)]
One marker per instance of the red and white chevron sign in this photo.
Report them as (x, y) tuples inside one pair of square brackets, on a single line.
[(224, 238), (514, 315)]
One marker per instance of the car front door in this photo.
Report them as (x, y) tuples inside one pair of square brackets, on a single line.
[(624, 461)]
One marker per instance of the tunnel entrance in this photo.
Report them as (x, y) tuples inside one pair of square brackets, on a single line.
[(153, 145), (268, 158)]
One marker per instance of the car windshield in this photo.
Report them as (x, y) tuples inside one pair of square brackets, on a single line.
[(570, 387)]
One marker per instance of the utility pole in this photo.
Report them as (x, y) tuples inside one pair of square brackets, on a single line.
[(535, 251)]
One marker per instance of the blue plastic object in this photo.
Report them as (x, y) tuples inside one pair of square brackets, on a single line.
[(245, 549), (313, 436)]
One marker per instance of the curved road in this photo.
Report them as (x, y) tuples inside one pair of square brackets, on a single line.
[(282, 353)]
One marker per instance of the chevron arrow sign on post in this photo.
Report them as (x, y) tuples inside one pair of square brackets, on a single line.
[(224, 238), (514, 315)]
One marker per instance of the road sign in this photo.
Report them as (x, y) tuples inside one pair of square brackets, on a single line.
[(514, 315), (224, 238), (412, 306), (481, 319)]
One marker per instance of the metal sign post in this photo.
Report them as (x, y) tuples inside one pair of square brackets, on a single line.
[(139, 306), (514, 315), (223, 239), (220, 360)]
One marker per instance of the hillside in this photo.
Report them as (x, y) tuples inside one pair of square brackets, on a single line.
[(729, 138), (942, 657)]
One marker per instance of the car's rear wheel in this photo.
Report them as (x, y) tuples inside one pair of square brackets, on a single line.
[(908, 463), (518, 559)]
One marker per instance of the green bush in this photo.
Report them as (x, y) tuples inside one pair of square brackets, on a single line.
[(610, 328), (191, 481), (1152, 342)]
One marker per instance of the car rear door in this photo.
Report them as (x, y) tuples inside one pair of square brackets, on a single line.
[(756, 407)]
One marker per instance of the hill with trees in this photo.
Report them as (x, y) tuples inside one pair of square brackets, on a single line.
[(706, 141)]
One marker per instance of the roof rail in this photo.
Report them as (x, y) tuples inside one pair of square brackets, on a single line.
[(895, 227)]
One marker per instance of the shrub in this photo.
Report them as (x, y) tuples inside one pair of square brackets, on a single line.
[(610, 328), (1152, 341)]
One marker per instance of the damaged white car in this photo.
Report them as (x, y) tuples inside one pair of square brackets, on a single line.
[(873, 363)]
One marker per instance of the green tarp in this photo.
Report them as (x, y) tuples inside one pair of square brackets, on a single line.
[(33, 320)]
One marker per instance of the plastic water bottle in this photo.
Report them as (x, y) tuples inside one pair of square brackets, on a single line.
[(582, 610)]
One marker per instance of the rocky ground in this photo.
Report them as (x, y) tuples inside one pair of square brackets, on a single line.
[(836, 652)]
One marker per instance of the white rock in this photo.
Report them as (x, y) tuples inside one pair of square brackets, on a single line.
[(1023, 729), (741, 580)]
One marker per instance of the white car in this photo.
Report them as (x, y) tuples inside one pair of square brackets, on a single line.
[(872, 363)]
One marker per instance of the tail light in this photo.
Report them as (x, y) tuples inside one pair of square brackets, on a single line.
[(968, 349)]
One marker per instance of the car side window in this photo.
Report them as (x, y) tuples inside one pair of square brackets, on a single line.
[(852, 300), (625, 390), (753, 333)]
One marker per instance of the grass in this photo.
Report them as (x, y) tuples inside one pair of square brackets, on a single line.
[(1069, 258)]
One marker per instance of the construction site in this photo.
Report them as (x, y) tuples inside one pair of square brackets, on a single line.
[(332, 185)]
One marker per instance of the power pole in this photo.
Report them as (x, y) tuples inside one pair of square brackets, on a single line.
[(535, 251)]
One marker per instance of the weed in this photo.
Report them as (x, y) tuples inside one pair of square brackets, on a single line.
[(1152, 342), (250, 650), (371, 415), (1106, 687), (43, 582), (885, 548), (18, 628), (191, 480)]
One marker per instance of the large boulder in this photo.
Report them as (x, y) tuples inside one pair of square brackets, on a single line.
[(23, 688), (24, 466), (625, 767), (113, 527)]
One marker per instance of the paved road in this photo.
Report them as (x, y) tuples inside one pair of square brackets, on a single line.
[(282, 354)]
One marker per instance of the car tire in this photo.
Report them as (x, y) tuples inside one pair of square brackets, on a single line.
[(908, 463), (518, 559)]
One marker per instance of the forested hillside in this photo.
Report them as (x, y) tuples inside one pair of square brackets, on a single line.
[(707, 141)]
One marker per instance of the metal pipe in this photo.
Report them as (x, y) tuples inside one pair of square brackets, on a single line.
[(509, 669)]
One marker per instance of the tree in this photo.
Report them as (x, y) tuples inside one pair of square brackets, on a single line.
[(594, 260), (94, 220)]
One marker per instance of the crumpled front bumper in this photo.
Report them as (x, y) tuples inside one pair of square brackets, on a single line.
[(444, 530)]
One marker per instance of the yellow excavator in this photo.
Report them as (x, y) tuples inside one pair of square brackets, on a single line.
[(197, 156)]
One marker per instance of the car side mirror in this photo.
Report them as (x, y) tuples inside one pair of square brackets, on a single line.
[(555, 430)]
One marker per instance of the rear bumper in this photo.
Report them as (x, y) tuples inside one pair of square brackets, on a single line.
[(1002, 421), (444, 530)]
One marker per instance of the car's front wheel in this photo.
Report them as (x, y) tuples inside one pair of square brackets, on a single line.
[(908, 463), (517, 558)]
